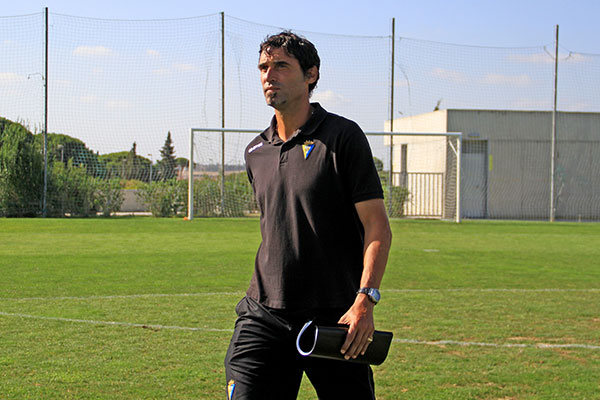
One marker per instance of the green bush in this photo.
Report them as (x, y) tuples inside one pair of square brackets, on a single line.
[(71, 191), (164, 198), (207, 197), (109, 196), (399, 197), (169, 198), (21, 171), (239, 198)]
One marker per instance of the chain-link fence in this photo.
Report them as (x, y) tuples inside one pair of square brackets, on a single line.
[(122, 96)]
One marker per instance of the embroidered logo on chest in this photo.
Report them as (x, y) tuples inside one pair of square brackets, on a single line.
[(307, 148)]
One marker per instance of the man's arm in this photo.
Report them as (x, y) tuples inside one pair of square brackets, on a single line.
[(378, 238)]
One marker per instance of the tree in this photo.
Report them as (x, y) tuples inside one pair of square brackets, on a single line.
[(182, 162), (167, 164), (115, 165), (130, 165), (64, 148), (21, 171)]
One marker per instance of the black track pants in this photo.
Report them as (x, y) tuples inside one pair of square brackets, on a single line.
[(262, 362)]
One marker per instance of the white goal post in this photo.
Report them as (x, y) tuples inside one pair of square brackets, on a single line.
[(420, 173)]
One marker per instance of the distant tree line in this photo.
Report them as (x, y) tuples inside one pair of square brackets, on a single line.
[(124, 164), (80, 182)]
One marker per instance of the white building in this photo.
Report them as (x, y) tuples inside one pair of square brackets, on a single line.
[(506, 162)]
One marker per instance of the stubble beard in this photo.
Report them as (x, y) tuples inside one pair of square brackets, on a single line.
[(274, 101)]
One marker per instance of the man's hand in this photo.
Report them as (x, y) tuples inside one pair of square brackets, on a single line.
[(359, 319)]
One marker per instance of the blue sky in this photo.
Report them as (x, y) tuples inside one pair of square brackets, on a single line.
[(507, 23), (138, 89)]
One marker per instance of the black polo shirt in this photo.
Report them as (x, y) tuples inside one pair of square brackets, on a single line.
[(311, 255)]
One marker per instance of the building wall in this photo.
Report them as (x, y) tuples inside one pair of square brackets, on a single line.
[(430, 194), (519, 147), (518, 171), (131, 203), (519, 164), (425, 154)]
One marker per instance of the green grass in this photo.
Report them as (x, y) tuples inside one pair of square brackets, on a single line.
[(497, 283)]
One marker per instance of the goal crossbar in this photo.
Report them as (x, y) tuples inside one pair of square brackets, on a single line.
[(456, 149)]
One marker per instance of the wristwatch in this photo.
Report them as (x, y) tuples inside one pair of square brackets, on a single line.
[(372, 293)]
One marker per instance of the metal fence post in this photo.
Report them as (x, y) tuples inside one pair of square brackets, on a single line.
[(553, 141)]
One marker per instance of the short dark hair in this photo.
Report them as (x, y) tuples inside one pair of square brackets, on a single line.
[(298, 47)]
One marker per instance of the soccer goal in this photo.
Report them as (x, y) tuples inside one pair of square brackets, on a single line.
[(420, 173)]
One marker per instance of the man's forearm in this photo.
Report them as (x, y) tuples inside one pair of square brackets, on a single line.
[(375, 260), (378, 238)]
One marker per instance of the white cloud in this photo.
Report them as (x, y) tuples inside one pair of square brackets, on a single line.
[(119, 104), (93, 51), (7, 78), (62, 82), (548, 58), (531, 104), (576, 106), (329, 97), (175, 68), (161, 71), (450, 75), (401, 83), (500, 79), (575, 57), (152, 53), (90, 99), (537, 58), (182, 67)]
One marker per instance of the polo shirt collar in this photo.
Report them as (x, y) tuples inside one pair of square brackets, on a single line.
[(307, 129)]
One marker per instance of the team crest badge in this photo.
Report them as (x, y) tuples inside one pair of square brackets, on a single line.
[(230, 389), (307, 148)]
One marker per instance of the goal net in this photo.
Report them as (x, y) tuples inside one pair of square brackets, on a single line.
[(419, 172)]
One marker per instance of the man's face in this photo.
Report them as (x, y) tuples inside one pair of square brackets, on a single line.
[(283, 81)]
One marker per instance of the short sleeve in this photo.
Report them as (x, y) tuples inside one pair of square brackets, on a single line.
[(356, 165)]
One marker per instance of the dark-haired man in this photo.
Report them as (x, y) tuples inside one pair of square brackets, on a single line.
[(325, 238)]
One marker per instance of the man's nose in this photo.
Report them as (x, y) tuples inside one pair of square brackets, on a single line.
[(270, 75)]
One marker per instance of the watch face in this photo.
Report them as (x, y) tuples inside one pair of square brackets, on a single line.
[(375, 295)]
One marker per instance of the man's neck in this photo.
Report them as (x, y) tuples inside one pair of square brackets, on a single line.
[(289, 121)]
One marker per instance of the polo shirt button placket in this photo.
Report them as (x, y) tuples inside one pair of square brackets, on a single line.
[(283, 153)]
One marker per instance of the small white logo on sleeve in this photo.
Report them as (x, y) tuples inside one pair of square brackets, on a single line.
[(251, 149)]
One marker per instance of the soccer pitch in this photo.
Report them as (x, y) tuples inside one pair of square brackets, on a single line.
[(142, 308)]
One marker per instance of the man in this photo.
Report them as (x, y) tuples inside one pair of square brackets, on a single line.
[(325, 235)]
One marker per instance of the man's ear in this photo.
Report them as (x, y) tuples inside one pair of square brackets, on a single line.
[(311, 74)]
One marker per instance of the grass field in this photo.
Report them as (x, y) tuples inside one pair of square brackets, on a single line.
[(142, 308)]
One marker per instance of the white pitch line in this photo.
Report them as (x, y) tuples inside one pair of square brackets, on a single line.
[(123, 296), (517, 290), (405, 341), (151, 295), (114, 323), (504, 345)]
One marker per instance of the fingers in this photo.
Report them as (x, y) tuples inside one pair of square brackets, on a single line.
[(359, 319), (356, 343), (369, 340), (346, 346)]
